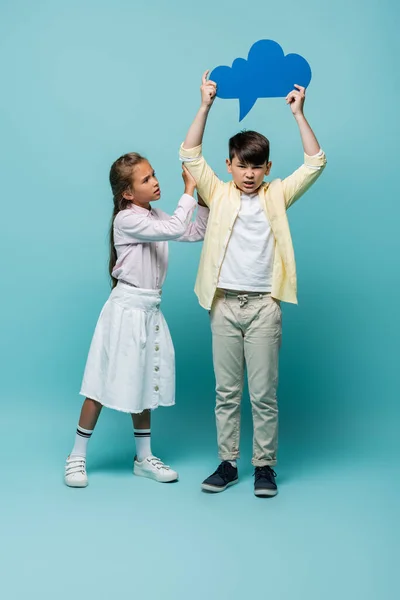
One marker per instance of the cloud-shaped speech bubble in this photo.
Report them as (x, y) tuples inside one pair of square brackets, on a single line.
[(267, 73)]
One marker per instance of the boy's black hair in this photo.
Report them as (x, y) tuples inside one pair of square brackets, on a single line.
[(249, 147)]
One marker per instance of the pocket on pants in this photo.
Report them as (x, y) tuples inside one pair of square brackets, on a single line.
[(278, 307), (217, 313), (270, 315), (216, 300)]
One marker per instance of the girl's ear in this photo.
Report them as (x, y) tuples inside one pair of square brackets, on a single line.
[(128, 195)]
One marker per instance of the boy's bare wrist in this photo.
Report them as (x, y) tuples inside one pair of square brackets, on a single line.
[(299, 117), (190, 191), (205, 108)]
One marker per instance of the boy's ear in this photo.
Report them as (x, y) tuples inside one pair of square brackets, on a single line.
[(268, 168), (229, 165)]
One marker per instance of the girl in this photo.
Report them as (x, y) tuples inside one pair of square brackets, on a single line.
[(131, 364)]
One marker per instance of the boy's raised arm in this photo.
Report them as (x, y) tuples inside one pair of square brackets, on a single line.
[(301, 180), (195, 133), (296, 99), (191, 151)]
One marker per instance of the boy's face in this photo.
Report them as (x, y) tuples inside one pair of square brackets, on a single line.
[(248, 178)]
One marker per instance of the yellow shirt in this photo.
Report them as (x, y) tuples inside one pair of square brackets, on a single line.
[(223, 200)]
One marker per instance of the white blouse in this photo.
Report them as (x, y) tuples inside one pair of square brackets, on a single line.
[(141, 240)]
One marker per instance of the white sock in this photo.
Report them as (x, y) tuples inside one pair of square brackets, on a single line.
[(143, 443), (81, 440), (233, 463)]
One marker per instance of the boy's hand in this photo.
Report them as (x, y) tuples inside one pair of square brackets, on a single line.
[(190, 182), (208, 91), (296, 99)]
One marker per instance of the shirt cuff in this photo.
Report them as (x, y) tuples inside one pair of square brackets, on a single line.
[(317, 161), (187, 202), (320, 153), (186, 155)]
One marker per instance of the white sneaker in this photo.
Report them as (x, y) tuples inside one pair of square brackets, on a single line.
[(75, 472), (154, 468)]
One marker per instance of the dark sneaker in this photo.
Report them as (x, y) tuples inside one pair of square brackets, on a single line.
[(264, 481), (222, 478)]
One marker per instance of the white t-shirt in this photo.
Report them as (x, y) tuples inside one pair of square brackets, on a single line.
[(249, 257)]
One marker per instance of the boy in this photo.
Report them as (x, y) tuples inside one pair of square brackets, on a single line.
[(246, 268)]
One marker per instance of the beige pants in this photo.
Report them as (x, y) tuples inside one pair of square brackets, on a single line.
[(246, 331)]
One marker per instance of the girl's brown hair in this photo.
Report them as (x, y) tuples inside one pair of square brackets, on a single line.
[(120, 181)]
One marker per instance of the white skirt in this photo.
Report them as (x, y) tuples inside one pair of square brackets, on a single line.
[(131, 362)]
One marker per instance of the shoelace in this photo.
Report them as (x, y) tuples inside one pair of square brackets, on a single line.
[(158, 464), (75, 466), (264, 472), (224, 468)]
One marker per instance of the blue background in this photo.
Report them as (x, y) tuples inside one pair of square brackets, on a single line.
[(84, 82)]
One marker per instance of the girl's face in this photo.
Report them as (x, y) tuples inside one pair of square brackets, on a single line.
[(145, 187)]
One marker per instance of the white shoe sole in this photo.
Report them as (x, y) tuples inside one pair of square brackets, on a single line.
[(76, 484), (211, 488), (265, 493), (137, 470)]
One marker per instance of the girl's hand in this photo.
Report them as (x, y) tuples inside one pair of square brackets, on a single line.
[(208, 91), (189, 181), (296, 99)]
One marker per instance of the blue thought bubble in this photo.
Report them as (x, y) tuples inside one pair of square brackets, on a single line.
[(267, 73)]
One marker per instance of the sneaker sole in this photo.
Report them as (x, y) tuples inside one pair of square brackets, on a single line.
[(214, 489), (265, 493), (141, 473), (82, 484)]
